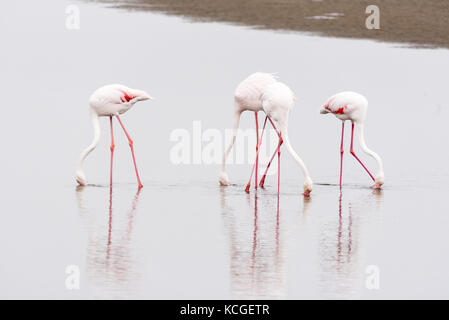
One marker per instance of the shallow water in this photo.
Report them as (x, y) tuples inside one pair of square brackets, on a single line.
[(182, 235)]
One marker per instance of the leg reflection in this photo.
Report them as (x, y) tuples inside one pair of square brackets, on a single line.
[(255, 243), (111, 260), (342, 251)]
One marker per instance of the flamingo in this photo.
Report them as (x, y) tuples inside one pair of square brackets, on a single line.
[(109, 101), (353, 106), (263, 92)]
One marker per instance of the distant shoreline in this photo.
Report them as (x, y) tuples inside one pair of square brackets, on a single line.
[(410, 22)]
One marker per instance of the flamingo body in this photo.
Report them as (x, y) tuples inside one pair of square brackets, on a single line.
[(347, 106), (248, 94), (114, 99), (277, 101)]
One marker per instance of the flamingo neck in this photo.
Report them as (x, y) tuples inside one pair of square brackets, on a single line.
[(361, 137), (80, 177), (284, 132), (234, 136)]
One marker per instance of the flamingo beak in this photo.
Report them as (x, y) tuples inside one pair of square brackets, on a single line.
[(145, 96)]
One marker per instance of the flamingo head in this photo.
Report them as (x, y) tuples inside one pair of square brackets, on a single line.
[(80, 178), (308, 184), (379, 181), (224, 179), (324, 109)]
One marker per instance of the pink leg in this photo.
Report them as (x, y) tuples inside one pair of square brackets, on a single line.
[(279, 163), (353, 153), (131, 143), (257, 155), (257, 149), (341, 150), (112, 150), (262, 181)]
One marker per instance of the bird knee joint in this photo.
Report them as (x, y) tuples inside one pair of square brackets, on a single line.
[(131, 143), (112, 147)]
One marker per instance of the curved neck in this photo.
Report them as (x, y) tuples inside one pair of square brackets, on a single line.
[(93, 145), (284, 133), (234, 136), (361, 137)]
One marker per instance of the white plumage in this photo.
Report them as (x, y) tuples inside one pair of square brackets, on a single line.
[(347, 105), (277, 101), (115, 98), (248, 95)]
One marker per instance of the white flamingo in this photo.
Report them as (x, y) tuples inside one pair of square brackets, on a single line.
[(262, 91), (109, 101), (353, 106)]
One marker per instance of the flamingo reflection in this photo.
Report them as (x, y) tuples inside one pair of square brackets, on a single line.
[(342, 260), (344, 253), (111, 261), (257, 264)]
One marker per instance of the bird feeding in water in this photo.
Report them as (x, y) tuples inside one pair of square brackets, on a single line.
[(353, 106), (263, 92), (110, 101)]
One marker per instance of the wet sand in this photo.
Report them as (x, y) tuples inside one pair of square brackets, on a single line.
[(416, 23)]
